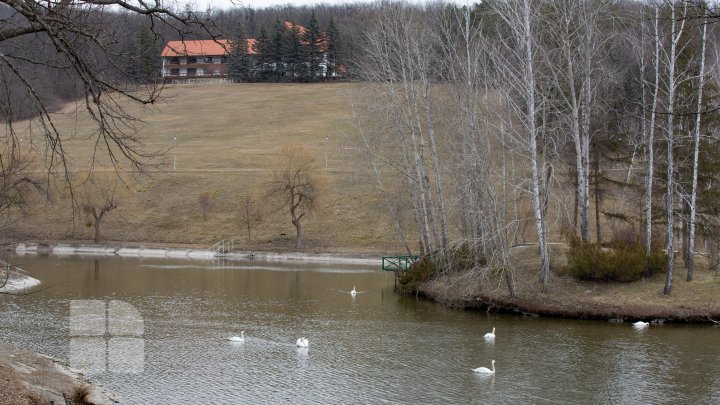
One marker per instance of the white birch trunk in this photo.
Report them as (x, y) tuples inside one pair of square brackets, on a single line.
[(650, 146), (532, 133), (696, 149), (672, 83)]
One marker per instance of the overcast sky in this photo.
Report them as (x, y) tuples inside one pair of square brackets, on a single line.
[(202, 4)]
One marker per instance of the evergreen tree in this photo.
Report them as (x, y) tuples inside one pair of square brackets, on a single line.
[(332, 49), (148, 56), (276, 44), (240, 64), (313, 43), (132, 64), (265, 57), (293, 55)]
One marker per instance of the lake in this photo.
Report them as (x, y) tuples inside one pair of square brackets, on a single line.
[(377, 347)]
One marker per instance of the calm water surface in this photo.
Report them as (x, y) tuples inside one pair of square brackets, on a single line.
[(376, 348)]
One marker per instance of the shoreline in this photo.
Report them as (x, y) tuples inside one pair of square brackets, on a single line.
[(441, 291), (447, 293), (584, 311), (178, 251)]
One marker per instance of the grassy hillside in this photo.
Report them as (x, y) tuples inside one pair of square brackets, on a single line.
[(227, 138)]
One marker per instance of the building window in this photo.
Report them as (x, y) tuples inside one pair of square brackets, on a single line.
[(208, 59), (174, 61), (191, 72), (192, 60), (174, 72), (223, 59), (216, 72)]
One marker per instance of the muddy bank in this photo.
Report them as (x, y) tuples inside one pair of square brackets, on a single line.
[(32, 378)]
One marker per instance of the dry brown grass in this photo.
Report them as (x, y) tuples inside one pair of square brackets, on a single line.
[(566, 296), (227, 137)]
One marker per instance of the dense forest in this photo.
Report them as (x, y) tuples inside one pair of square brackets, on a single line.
[(571, 116)]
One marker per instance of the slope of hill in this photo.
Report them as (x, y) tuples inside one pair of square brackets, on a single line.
[(222, 140)]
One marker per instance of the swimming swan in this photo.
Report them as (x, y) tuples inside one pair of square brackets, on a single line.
[(353, 292), (641, 324), (302, 342), (491, 335), (485, 370), (240, 338)]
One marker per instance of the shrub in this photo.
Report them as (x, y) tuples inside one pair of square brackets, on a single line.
[(460, 257), (420, 271), (623, 262)]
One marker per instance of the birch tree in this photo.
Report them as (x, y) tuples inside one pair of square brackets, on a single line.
[(677, 26), (519, 73), (690, 263), (650, 141), (399, 64), (478, 168)]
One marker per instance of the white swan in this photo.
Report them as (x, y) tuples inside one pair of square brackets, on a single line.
[(641, 324), (240, 338), (302, 342), (485, 370), (353, 292), (491, 335)]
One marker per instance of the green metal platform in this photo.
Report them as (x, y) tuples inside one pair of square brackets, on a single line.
[(398, 263)]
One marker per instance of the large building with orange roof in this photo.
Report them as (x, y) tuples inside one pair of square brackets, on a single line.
[(197, 58)]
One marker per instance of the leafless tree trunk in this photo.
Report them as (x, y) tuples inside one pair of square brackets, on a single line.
[(675, 35), (398, 61), (295, 185), (649, 145), (696, 148), (99, 200), (518, 70)]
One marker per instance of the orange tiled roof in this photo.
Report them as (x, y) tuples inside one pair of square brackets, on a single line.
[(290, 26), (209, 47)]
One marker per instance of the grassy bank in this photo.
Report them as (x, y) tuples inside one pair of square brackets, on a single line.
[(567, 296)]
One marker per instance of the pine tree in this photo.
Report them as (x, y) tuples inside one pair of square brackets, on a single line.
[(240, 64), (332, 50), (312, 41), (276, 45), (293, 56), (263, 69), (148, 57)]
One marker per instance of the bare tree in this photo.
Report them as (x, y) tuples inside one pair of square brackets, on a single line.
[(518, 66), (295, 185), (97, 201), (397, 62), (205, 202), (650, 142), (676, 33), (690, 263), (16, 178), (250, 214)]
